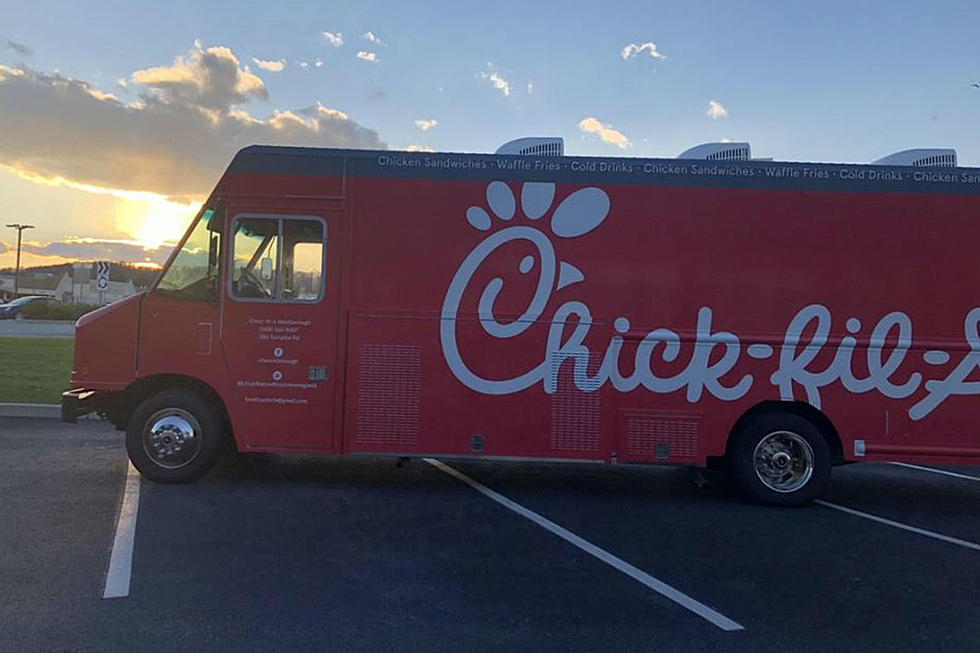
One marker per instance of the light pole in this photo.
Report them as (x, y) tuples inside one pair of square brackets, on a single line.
[(20, 228)]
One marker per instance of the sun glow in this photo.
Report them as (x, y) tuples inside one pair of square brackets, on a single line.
[(154, 221), (149, 218)]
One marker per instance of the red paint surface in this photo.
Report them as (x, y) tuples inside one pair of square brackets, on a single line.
[(755, 257)]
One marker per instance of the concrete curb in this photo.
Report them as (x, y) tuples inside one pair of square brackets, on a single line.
[(46, 411), (37, 411), (37, 328), (32, 321)]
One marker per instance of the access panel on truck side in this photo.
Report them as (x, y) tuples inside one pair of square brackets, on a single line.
[(280, 326)]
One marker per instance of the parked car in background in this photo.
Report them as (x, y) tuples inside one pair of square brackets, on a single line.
[(15, 308)]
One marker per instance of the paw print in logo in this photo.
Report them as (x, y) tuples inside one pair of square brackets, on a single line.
[(576, 215)]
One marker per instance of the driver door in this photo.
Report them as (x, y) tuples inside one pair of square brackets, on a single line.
[(279, 330)]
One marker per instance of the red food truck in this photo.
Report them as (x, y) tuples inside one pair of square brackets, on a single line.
[(773, 318)]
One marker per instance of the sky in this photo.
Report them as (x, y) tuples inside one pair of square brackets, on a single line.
[(116, 120)]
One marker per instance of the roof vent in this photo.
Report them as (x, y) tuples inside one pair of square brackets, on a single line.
[(921, 158), (718, 152), (534, 146)]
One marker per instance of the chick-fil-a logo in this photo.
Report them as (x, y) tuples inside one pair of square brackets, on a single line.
[(583, 211)]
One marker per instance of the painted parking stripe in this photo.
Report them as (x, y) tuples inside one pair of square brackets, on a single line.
[(904, 527), (662, 588), (121, 561), (937, 471)]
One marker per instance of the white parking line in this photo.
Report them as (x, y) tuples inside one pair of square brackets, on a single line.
[(121, 561), (662, 588), (937, 471), (895, 524)]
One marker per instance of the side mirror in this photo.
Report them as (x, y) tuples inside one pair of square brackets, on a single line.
[(266, 269), (213, 252)]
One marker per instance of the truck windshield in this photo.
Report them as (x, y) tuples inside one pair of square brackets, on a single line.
[(193, 273)]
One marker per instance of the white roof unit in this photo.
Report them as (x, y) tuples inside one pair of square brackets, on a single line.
[(921, 157), (534, 145), (718, 152)]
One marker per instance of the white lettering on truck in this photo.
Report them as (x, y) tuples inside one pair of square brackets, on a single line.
[(581, 212)]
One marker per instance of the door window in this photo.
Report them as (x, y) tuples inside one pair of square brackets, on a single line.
[(278, 258), (255, 258)]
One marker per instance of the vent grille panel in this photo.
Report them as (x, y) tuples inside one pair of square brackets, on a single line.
[(575, 411), (388, 395), (734, 154), (653, 436), (938, 160)]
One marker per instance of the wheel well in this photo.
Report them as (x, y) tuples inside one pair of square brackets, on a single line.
[(147, 386), (803, 409)]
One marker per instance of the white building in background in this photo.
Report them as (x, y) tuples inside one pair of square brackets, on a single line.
[(89, 294), (44, 284), (83, 291), (76, 287)]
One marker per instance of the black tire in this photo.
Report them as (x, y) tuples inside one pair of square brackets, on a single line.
[(179, 408), (767, 480)]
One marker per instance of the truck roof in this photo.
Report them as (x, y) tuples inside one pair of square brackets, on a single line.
[(840, 177)]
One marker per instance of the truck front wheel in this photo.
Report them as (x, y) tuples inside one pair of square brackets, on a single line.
[(174, 436), (780, 458)]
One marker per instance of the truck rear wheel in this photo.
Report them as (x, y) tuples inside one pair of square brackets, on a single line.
[(780, 458), (174, 436)]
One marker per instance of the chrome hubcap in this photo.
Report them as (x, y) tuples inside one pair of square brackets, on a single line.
[(783, 461), (172, 438)]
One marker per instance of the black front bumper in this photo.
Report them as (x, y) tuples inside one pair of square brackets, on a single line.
[(78, 402)]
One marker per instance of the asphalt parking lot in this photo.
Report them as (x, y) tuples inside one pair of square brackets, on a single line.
[(356, 554)]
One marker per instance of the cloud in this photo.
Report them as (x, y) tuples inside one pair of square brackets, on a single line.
[(18, 48), (500, 83), (274, 65), (530, 88), (305, 65), (336, 39), (209, 78), (496, 79), (372, 37), (368, 56), (606, 133), (716, 110), (4, 247), (426, 125), (93, 249), (632, 49), (173, 141), (414, 147)]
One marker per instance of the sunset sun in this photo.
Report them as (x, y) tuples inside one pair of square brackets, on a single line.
[(154, 221)]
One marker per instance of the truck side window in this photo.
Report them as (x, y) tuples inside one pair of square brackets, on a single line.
[(302, 268), (277, 258), (194, 272)]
